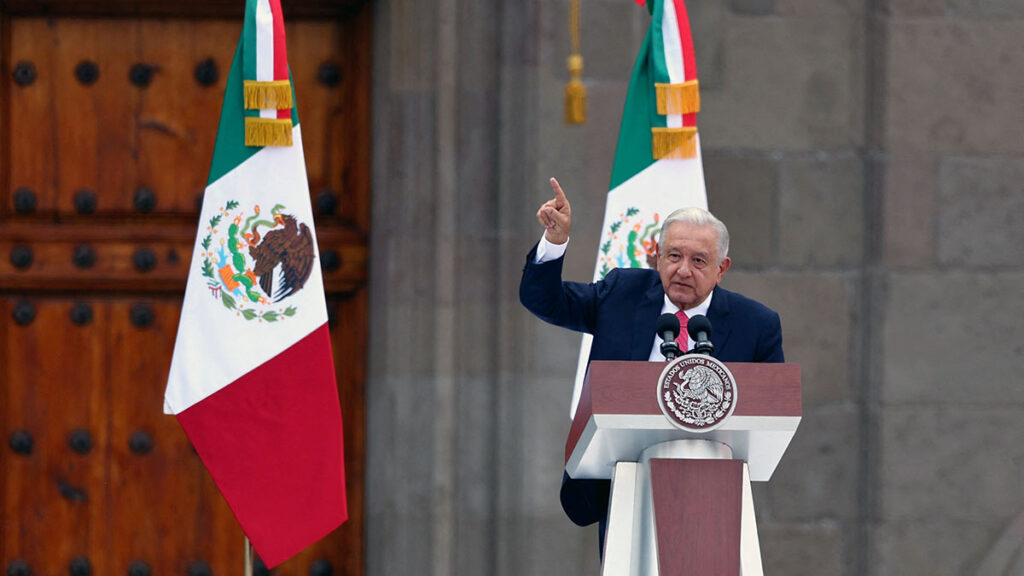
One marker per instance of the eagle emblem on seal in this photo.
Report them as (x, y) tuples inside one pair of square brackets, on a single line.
[(696, 392), (258, 261)]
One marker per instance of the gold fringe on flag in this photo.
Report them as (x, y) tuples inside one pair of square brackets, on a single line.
[(678, 98), (575, 91), (268, 131), (674, 142), (276, 95)]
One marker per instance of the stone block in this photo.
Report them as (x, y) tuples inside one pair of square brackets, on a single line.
[(544, 426), (520, 46), (913, 8), (388, 530), (555, 351), (789, 83), (951, 465), (787, 8), (996, 9), (981, 213), (546, 546), (518, 150), (814, 549), (821, 222), (472, 160), (954, 86), (817, 328), (909, 188), (480, 256), (472, 440), (706, 25), (929, 548), (742, 193), (819, 474), (412, 46), (752, 7), (953, 339), (476, 25), (409, 177)]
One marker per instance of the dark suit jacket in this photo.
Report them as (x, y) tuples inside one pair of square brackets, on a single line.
[(620, 312)]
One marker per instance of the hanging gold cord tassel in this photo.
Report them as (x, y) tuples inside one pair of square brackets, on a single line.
[(275, 95), (674, 142), (575, 91), (268, 131)]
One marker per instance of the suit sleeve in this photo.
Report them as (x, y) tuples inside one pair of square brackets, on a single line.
[(571, 305)]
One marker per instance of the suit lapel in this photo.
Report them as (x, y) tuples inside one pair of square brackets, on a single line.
[(721, 321), (644, 319)]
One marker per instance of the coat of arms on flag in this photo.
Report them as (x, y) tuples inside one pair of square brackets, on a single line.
[(252, 377), (250, 270), (630, 242)]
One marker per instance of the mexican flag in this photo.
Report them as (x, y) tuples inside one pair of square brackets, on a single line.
[(252, 378), (657, 165)]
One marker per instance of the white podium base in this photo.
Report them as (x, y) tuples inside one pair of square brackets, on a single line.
[(631, 543)]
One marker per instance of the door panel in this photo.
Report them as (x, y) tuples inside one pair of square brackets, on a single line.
[(107, 129)]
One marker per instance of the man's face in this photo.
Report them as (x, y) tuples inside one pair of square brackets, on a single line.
[(688, 263)]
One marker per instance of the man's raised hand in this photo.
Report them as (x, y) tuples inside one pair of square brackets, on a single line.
[(555, 216)]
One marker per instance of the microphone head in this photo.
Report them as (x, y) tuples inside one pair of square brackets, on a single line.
[(667, 323), (698, 324)]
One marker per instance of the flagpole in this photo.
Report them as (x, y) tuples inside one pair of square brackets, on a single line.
[(248, 557)]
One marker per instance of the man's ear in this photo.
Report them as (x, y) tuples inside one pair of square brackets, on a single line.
[(723, 266)]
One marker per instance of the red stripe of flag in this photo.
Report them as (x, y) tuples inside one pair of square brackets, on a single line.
[(280, 50), (689, 59), (272, 440)]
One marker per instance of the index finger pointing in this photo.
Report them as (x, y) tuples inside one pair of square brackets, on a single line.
[(559, 194)]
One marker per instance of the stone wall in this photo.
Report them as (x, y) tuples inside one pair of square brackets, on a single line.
[(867, 157)]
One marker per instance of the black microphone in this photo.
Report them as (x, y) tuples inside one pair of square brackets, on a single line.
[(699, 328), (667, 327)]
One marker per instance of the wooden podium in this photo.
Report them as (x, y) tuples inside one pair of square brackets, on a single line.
[(680, 502)]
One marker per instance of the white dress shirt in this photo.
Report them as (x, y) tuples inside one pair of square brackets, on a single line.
[(670, 308), (547, 251)]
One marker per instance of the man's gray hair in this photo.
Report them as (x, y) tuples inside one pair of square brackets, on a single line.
[(699, 217)]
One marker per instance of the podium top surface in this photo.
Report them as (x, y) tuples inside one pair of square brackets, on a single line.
[(618, 416)]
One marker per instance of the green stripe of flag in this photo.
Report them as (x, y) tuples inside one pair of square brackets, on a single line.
[(657, 47), (249, 41), (634, 151)]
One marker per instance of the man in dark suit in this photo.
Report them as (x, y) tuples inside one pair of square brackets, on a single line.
[(620, 311)]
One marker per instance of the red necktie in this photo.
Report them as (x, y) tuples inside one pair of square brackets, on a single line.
[(683, 338)]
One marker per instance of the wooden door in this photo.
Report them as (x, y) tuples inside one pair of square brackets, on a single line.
[(108, 117)]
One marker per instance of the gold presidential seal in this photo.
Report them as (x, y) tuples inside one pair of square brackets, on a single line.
[(696, 392)]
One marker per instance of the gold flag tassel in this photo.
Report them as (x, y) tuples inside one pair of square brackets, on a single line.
[(681, 98), (268, 131), (674, 142), (575, 91), (275, 95)]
